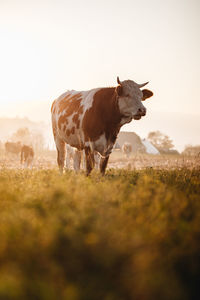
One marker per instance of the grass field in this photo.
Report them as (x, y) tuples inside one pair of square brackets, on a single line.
[(128, 235)]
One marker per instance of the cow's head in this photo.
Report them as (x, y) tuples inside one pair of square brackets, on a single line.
[(130, 98)]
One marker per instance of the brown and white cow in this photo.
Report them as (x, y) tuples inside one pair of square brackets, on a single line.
[(27, 155), (90, 120)]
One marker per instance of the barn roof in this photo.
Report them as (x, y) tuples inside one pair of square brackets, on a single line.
[(132, 138)]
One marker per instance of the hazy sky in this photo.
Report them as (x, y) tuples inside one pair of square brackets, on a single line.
[(50, 46)]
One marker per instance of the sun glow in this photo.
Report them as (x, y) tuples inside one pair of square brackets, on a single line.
[(49, 47)]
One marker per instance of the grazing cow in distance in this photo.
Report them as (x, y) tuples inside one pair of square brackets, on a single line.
[(13, 148), (91, 120), (127, 149), (27, 155)]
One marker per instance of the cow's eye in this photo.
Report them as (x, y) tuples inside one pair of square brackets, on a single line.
[(127, 95)]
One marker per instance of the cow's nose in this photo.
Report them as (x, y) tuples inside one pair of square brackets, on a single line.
[(142, 111)]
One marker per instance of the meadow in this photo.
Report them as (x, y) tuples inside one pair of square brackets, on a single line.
[(133, 234)]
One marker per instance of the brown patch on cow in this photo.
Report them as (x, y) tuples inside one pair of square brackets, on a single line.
[(68, 132), (78, 124), (103, 117), (62, 120), (89, 156), (80, 110), (73, 130), (70, 104), (76, 120)]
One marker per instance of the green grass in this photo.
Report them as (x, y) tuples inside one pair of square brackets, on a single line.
[(128, 235)]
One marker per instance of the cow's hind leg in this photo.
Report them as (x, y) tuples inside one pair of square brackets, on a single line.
[(89, 157), (77, 160), (97, 160), (103, 164), (68, 160), (60, 145)]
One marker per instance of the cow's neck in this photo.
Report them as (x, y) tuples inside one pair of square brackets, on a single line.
[(112, 117), (103, 117), (125, 120)]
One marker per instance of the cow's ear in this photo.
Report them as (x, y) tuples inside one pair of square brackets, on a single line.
[(119, 90), (146, 94)]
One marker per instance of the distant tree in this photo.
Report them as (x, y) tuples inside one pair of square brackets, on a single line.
[(38, 141), (27, 137), (23, 135), (161, 141), (191, 150)]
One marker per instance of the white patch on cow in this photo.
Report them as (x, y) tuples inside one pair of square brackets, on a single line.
[(100, 145), (88, 98), (97, 160), (70, 121), (72, 92)]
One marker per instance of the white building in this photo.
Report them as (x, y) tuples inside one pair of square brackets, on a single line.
[(150, 149)]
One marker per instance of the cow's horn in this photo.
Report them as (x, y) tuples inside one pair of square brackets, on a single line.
[(143, 84), (118, 81)]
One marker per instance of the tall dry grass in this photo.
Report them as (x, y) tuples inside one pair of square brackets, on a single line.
[(128, 235)]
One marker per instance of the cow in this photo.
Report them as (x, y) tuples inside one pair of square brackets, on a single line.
[(91, 120), (27, 155), (127, 149), (13, 148)]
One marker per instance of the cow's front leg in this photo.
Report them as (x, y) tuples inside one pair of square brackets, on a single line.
[(89, 157), (103, 164), (97, 159), (68, 160)]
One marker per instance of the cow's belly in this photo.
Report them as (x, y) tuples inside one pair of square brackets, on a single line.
[(101, 145), (77, 140), (73, 139)]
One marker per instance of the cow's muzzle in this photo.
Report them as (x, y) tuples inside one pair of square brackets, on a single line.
[(140, 113), (137, 117)]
